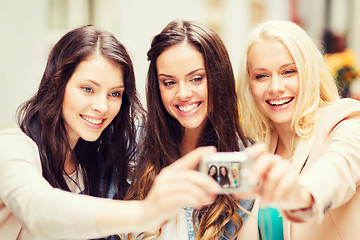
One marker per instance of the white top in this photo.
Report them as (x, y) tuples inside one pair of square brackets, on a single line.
[(176, 228), (75, 181), (29, 204)]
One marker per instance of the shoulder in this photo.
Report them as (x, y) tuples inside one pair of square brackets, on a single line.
[(338, 111), (14, 143), (343, 107), (14, 135)]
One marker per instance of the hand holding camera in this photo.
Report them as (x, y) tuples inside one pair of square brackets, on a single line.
[(230, 169)]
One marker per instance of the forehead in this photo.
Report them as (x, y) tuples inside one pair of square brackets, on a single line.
[(99, 69), (180, 57), (265, 52)]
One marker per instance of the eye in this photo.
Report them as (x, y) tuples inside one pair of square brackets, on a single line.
[(116, 94), (260, 76), (197, 79), (289, 72), (168, 83), (87, 89)]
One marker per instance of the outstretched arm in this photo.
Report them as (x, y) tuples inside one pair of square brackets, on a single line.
[(279, 183), (28, 200), (176, 186)]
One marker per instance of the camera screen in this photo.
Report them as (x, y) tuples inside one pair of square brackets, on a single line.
[(227, 174)]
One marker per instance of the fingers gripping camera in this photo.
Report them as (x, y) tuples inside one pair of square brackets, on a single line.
[(230, 170)]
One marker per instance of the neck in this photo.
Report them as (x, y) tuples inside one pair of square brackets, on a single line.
[(69, 165), (190, 140), (284, 142)]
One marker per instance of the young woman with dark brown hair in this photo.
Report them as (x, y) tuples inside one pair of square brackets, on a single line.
[(192, 102)]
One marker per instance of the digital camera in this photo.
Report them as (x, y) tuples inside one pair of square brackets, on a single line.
[(230, 170)]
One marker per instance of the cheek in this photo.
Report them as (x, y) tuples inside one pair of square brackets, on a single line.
[(204, 90), (165, 98), (255, 91), (115, 109), (206, 95), (295, 86), (68, 102)]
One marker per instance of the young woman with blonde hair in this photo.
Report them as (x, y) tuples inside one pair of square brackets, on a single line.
[(309, 167)]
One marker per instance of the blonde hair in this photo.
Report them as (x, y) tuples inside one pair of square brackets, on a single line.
[(316, 85)]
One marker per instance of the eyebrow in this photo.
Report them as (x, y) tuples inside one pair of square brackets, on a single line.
[(188, 74), (285, 65), (98, 85), (288, 64)]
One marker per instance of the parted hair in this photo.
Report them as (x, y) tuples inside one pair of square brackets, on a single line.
[(163, 133), (41, 118), (316, 85)]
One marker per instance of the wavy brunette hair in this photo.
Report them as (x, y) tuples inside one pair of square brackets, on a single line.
[(40, 118), (164, 133), (316, 86), (215, 176), (224, 180)]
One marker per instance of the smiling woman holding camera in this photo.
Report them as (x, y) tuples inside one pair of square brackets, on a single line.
[(76, 137), (309, 166), (191, 90)]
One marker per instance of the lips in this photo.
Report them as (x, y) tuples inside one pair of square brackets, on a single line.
[(188, 108), (280, 102), (95, 121)]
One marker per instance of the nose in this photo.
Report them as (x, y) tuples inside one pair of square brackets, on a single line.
[(276, 85), (184, 91), (100, 103)]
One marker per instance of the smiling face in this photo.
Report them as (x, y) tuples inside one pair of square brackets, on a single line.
[(223, 171), (274, 80), (234, 173), (92, 99), (183, 84), (212, 170)]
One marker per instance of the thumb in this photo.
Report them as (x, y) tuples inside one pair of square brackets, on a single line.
[(256, 150)]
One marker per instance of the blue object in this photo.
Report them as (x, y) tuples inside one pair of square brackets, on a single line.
[(270, 224)]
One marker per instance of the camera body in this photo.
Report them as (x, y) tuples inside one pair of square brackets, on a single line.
[(230, 170)]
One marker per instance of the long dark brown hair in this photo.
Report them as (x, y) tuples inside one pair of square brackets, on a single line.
[(164, 133), (41, 117)]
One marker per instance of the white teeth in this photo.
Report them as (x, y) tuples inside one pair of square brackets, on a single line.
[(280, 102), (188, 108), (91, 120)]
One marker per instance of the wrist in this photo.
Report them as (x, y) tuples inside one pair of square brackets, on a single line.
[(143, 215), (305, 210), (307, 199)]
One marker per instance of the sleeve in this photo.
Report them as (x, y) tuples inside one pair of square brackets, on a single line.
[(334, 177), (247, 205), (43, 210)]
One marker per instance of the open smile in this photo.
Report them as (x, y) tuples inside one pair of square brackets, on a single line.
[(188, 108), (280, 102), (95, 121)]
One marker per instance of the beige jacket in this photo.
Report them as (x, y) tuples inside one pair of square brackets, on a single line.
[(329, 167), (29, 207)]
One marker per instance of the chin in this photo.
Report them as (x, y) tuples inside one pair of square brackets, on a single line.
[(191, 126), (90, 138), (282, 121)]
